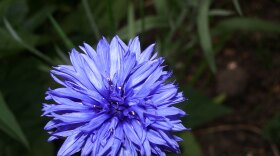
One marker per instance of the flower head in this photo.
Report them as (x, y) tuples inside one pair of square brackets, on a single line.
[(114, 101)]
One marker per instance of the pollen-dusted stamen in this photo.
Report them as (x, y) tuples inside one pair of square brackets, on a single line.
[(132, 113), (113, 101)]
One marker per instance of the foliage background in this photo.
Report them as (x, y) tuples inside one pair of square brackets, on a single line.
[(193, 35)]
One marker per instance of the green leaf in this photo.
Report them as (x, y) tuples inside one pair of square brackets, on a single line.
[(29, 47), (246, 24), (61, 33), (271, 131), (8, 45), (204, 33), (9, 123), (24, 88), (190, 145), (37, 19), (237, 7), (131, 20), (201, 109)]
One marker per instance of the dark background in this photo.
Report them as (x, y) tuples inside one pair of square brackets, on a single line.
[(224, 55)]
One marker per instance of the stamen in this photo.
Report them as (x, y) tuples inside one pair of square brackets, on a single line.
[(132, 113)]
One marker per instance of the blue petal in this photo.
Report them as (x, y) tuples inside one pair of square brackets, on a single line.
[(141, 74), (158, 151), (100, 134), (51, 124), (96, 122), (169, 140), (56, 108), (69, 93), (87, 148), (129, 62), (122, 44), (139, 129), (155, 138), (179, 127), (103, 53), (154, 56), (130, 133), (164, 95), (147, 148), (107, 146), (134, 47), (145, 88), (76, 60), (90, 51), (146, 54), (65, 133), (176, 138), (93, 73), (116, 58), (162, 125), (75, 117), (51, 138), (119, 136), (71, 145), (169, 111), (128, 149)]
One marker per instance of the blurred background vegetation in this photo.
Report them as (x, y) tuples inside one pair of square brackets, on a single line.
[(224, 54)]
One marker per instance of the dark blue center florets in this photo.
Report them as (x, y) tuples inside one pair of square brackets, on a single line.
[(114, 101), (118, 106), (117, 109)]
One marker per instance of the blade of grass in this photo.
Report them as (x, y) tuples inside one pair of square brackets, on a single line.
[(151, 23), (219, 99), (202, 66), (34, 51), (237, 7), (246, 24), (164, 8), (62, 55), (220, 12), (61, 33), (91, 19), (9, 123), (178, 22), (131, 20), (204, 33)]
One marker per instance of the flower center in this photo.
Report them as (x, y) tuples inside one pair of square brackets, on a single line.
[(118, 107)]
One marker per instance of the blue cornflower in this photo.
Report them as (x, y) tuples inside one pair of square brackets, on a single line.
[(114, 101)]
